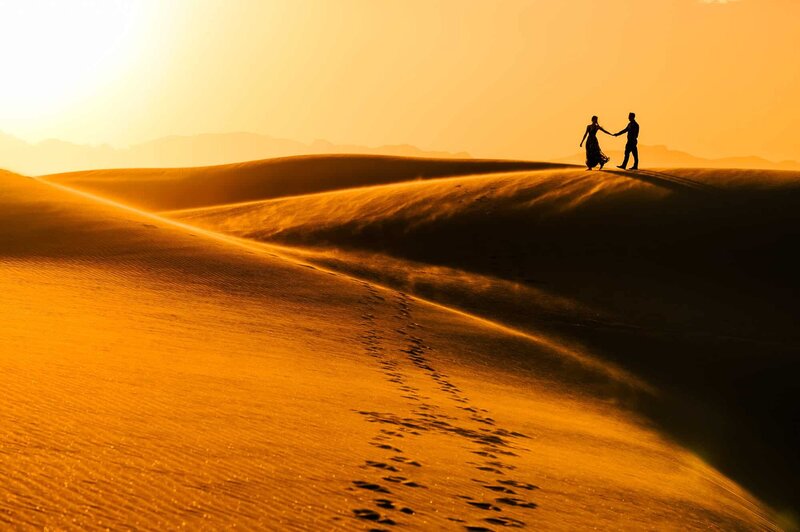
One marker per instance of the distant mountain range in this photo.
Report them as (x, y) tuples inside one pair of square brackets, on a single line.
[(661, 156), (51, 156)]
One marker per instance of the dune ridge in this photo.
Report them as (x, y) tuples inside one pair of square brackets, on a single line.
[(183, 188), (159, 378), (606, 370), (479, 224), (686, 264)]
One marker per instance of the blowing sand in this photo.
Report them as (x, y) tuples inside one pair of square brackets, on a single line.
[(159, 376)]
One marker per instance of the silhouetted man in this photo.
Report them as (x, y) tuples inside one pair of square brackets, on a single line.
[(633, 141)]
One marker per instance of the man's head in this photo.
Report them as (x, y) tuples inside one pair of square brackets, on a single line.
[(631, 116)]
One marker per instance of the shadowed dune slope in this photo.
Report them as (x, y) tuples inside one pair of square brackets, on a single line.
[(181, 188), (685, 278), (157, 377), (592, 236)]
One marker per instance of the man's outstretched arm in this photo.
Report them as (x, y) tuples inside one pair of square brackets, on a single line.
[(623, 131)]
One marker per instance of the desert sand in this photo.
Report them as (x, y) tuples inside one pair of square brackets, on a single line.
[(495, 345)]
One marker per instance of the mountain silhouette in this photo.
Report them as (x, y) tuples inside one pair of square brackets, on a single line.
[(53, 156), (178, 151)]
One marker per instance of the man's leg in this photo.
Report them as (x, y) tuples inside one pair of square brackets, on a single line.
[(625, 160), (635, 152)]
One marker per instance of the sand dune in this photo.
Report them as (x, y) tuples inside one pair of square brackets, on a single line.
[(691, 267), (181, 188), (579, 234), (160, 376)]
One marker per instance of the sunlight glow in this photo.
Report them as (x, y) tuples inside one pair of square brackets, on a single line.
[(55, 52)]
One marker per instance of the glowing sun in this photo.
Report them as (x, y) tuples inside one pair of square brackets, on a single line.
[(54, 52)]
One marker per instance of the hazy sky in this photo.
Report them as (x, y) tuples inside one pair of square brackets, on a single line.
[(513, 78)]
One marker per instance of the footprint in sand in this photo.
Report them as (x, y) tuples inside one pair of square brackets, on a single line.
[(363, 484), (501, 489), (505, 521), (491, 441), (520, 485), (366, 513), (386, 447), (405, 460), (387, 504), (510, 501), (382, 465), (485, 506), (371, 515)]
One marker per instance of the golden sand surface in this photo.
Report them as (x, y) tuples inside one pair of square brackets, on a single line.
[(158, 376), (681, 280)]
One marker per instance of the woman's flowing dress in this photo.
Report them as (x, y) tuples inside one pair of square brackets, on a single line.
[(594, 155)]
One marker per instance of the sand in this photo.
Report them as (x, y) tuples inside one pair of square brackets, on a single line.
[(159, 375), (683, 278)]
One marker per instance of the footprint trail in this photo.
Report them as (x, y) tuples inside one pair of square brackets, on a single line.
[(433, 406)]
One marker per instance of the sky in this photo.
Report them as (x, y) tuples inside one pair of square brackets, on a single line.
[(499, 78)]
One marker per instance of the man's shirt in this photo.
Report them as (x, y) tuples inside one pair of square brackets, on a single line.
[(633, 130)]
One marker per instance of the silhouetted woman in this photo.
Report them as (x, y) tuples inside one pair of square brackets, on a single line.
[(594, 155)]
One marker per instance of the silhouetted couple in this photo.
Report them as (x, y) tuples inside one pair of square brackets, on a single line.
[(595, 156)]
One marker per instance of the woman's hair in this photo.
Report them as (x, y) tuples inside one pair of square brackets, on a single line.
[(594, 119)]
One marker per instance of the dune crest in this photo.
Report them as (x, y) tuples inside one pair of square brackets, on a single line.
[(689, 265), (184, 188), (188, 408)]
